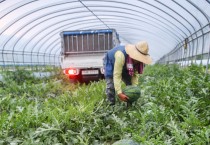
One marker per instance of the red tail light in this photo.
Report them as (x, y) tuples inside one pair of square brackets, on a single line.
[(71, 71)]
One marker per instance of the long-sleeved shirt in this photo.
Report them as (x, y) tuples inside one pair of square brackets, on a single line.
[(117, 76)]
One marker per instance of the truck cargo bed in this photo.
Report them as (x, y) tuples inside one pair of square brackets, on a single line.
[(83, 51), (83, 60)]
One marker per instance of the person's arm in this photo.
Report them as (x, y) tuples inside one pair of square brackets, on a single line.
[(118, 67)]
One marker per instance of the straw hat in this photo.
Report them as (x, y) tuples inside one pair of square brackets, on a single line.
[(139, 52)]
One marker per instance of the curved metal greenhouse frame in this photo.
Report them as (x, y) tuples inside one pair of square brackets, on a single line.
[(178, 31)]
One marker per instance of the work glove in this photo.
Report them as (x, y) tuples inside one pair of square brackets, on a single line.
[(123, 97)]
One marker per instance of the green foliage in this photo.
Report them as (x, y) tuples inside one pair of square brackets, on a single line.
[(19, 76), (173, 109)]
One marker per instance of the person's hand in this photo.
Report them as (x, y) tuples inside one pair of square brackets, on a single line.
[(123, 97)]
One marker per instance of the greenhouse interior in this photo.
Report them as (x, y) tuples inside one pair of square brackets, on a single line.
[(54, 82)]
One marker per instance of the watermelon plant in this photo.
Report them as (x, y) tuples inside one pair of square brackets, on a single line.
[(173, 109)]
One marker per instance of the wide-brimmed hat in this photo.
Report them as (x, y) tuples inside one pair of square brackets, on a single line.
[(139, 52)]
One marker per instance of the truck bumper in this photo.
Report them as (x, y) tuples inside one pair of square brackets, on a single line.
[(92, 77), (86, 78)]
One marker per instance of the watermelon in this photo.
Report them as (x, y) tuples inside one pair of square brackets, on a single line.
[(126, 142), (133, 92)]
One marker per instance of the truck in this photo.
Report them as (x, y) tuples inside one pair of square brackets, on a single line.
[(82, 53)]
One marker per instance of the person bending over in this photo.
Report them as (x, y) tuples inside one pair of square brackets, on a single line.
[(124, 64)]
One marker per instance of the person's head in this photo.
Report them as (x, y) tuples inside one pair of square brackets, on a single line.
[(139, 52)]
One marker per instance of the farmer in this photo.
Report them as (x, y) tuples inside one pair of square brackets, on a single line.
[(124, 63)]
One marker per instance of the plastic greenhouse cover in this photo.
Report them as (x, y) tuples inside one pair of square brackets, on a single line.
[(34, 25)]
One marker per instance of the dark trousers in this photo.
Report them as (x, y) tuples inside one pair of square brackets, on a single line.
[(110, 90)]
